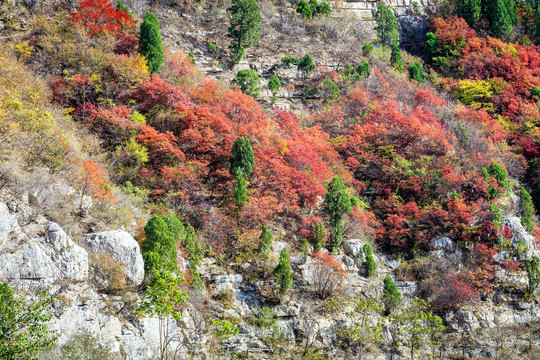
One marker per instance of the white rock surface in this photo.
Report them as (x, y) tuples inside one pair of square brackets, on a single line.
[(122, 247), (353, 247)]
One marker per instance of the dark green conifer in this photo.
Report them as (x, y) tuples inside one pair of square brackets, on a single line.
[(244, 27), (242, 159), (391, 295), (283, 273), (265, 242), (150, 45)]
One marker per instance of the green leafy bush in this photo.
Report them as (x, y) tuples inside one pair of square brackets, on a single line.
[(282, 272), (249, 82), (304, 9), (527, 211), (370, 265), (274, 85), (307, 65), (265, 242), (319, 237), (391, 295), (416, 71), (395, 58), (367, 49), (290, 60)]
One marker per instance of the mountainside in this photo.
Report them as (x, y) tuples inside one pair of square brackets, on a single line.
[(269, 180)]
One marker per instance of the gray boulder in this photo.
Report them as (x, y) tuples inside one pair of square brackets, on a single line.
[(353, 247), (121, 246)]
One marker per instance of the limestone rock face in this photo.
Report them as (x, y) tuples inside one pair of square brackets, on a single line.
[(42, 261), (8, 222), (121, 246), (353, 248), (519, 234)]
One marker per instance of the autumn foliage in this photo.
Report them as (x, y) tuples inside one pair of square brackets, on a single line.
[(100, 16)]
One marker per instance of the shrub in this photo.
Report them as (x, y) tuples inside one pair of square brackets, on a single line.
[(319, 237), (212, 48), (150, 45), (362, 70), (225, 297), (265, 242), (324, 9), (527, 210), (274, 85), (369, 264), (249, 82), (328, 274), (304, 9), (307, 65), (367, 49), (158, 247), (533, 276), (282, 272), (304, 248), (454, 291), (500, 174), (121, 7), (395, 58), (431, 46), (496, 215), (193, 246), (331, 88), (100, 16), (290, 60), (416, 71), (85, 346), (391, 295)]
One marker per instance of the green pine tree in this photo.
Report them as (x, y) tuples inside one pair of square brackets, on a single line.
[(369, 264), (527, 211), (500, 174), (274, 85), (431, 46), (306, 66), (395, 58), (265, 242), (319, 237), (240, 196), (387, 26), (470, 10), (176, 227), (159, 247), (416, 71), (249, 82), (150, 45), (496, 215), (244, 27), (193, 246), (242, 159), (533, 276), (501, 21), (304, 9), (337, 203), (282, 272), (391, 295)]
